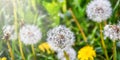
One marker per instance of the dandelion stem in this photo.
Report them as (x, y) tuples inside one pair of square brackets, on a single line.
[(15, 17), (21, 51), (33, 4), (16, 28), (64, 7), (114, 50), (78, 24), (103, 43), (33, 51), (105, 22), (66, 56), (10, 50)]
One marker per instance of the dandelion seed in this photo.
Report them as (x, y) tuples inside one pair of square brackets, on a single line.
[(70, 52), (86, 53), (112, 31), (60, 38), (99, 10), (30, 34), (9, 32)]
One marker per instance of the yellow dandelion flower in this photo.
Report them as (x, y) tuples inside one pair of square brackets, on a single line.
[(86, 53), (3, 58), (45, 47)]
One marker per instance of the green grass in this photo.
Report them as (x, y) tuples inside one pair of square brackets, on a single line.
[(45, 14)]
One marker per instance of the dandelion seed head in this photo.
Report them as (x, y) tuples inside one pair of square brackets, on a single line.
[(59, 38), (60, 55), (70, 52), (112, 31), (99, 10), (9, 32), (30, 34)]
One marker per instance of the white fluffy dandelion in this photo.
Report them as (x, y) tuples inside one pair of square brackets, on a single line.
[(9, 32), (30, 34), (70, 52), (99, 10), (60, 38), (112, 31)]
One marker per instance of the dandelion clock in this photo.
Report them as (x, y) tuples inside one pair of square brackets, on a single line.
[(99, 10), (30, 34), (9, 32), (60, 38)]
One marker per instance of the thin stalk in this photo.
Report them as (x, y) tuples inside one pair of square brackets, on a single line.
[(105, 22), (103, 43), (64, 7), (15, 17), (114, 50), (35, 20), (33, 51), (33, 4), (78, 24), (16, 28), (66, 56), (10, 50), (21, 51)]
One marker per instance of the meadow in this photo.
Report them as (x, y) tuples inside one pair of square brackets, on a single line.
[(59, 30)]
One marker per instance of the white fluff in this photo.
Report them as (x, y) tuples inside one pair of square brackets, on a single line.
[(99, 10), (70, 52), (60, 38), (112, 31), (9, 30), (30, 34)]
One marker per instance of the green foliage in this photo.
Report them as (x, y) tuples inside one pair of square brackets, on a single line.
[(46, 15)]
